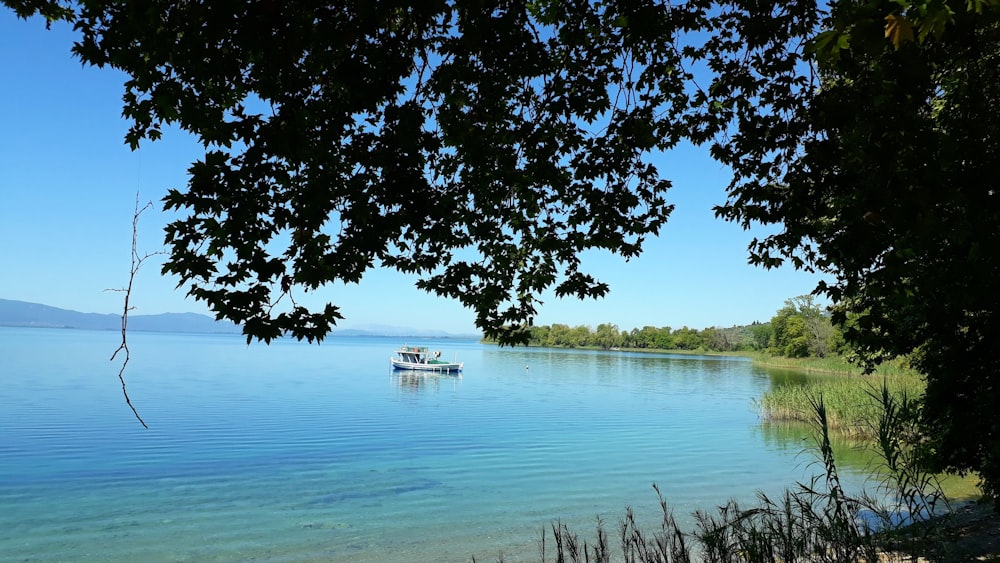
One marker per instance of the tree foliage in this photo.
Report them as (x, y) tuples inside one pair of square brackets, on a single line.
[(885, 178), (484, 145), (607, 336), (801, 328), (479, 145)]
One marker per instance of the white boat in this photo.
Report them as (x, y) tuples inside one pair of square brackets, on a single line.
[(420, 358)]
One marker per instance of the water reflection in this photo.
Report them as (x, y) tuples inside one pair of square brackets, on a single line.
[(850, 455), (421, 381), (613, 365), (781, 376)]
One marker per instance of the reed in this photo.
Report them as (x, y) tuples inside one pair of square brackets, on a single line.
[(852, 407), (840, 365)]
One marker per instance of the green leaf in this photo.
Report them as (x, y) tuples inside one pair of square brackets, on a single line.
[(899, 30)]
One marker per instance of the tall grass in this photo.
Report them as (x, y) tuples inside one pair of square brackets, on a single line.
[(814, 521), (849, 399), (840, 365)]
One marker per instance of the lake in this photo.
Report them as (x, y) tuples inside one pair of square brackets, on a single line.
[(297, 452)]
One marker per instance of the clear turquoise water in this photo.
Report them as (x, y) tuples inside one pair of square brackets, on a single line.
[(295, 452)]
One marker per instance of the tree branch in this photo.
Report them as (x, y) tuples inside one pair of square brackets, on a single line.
[(136, 264)]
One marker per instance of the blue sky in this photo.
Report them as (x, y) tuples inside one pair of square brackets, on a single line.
[(68, 186)]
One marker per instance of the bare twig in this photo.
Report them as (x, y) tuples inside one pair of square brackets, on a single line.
[(136, 264)]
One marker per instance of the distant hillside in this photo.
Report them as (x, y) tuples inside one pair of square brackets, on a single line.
[(25, 314)]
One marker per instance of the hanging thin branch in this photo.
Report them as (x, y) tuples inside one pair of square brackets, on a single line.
[(136, 264)]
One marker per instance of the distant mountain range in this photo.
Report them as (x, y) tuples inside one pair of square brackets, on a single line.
[(25, 314)]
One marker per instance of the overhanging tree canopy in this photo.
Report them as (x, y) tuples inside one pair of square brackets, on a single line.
[(482, 146)]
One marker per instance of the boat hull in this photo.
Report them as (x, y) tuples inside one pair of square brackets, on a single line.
[(433, 367)]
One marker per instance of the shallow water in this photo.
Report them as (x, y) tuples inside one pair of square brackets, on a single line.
[(292, 452)]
